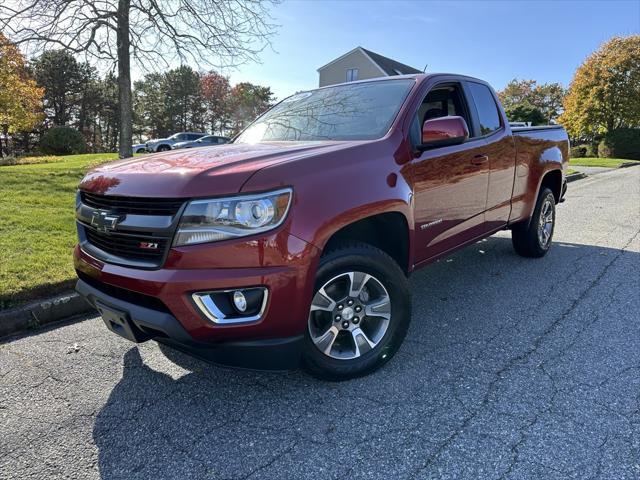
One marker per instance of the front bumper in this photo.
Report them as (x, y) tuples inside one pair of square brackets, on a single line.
[(159, 302), (139, 324)]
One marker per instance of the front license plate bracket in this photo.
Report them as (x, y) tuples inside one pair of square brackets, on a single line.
[(119, 322)]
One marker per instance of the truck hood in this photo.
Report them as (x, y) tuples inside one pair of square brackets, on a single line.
[(201, 172)]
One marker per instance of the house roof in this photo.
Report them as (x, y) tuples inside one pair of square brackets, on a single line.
[(387, 65), (390, 66)]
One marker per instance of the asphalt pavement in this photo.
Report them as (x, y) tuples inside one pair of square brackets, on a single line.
[(512, 368)]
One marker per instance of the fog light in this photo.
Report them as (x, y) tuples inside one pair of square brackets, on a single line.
[(239, 301), (232, 306)]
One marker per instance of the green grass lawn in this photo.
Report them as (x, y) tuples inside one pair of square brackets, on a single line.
[(600, 162), (37, 224)]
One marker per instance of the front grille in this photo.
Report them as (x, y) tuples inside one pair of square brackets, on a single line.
[(127, 246), (132, 205)]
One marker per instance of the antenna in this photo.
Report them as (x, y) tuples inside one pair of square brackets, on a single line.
[(425, 68)]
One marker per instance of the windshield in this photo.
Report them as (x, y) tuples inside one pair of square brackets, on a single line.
[(359, 111)]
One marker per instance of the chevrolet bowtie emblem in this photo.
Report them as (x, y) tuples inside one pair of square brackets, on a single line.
[(104, 221)]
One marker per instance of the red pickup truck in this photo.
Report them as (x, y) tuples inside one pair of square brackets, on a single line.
[(293, 243)]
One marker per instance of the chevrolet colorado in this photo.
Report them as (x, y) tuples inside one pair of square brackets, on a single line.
[(293, 243)]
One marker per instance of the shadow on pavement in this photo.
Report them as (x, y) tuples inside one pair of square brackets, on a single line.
[(473, 314)]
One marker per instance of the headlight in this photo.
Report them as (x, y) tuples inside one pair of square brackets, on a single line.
[(224, 218)]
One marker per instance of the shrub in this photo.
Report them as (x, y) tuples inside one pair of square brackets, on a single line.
[(62, 141), (621, 143), (590, 151), (604, 150), (581, 151), (9, 160)]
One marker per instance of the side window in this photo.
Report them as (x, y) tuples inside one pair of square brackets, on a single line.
[(487, 108), (442, 101)]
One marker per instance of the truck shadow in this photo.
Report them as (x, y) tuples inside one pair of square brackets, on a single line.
[(471, 313)]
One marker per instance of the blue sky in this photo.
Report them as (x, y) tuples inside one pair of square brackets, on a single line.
[(496, 41)]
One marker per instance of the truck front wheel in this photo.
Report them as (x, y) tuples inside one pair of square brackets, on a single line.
[(534, 239), (359, 313)]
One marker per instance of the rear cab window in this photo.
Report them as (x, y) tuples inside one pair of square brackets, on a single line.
[(488, 114)]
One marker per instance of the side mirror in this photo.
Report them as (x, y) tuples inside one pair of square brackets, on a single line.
[(443, 131)]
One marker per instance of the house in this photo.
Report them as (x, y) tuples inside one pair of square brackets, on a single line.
[(359, 64)]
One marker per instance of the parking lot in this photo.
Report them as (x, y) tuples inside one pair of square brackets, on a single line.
[(512, 368)]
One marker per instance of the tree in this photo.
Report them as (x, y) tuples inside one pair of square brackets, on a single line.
[(546, 98), (216, 32), (216, 93), (605, 91), (169, 102), (247, 102), (525, 113), (64, 80), (109, 119), (184, 103), (517, 92), (150, 112), (20, 97)]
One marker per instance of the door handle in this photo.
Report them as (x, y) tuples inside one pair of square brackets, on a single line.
[(480, 159)]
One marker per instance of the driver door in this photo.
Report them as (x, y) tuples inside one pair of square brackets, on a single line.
[(451, 182)]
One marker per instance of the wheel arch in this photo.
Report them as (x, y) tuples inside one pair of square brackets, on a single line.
[(388, 231), (552, 180)]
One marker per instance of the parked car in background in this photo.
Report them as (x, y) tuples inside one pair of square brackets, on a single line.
[(164, 144), (294, 242), (139, 148), (207, 141)]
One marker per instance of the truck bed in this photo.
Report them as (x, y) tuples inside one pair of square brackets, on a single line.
[(522, 130)]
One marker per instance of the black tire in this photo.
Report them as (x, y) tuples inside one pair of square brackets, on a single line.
[(525, 236), (361, 257), (163, 148), (141, 150)]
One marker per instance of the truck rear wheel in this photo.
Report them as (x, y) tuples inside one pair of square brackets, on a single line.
[(359, 313), (534, 239)]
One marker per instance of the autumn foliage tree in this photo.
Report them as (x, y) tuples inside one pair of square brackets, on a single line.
[(20, 97), (605, 92), (527, 101), (247, 102), (216, 94)]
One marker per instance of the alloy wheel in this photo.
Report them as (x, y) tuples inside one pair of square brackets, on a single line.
[(545, 223), (349, 315)]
